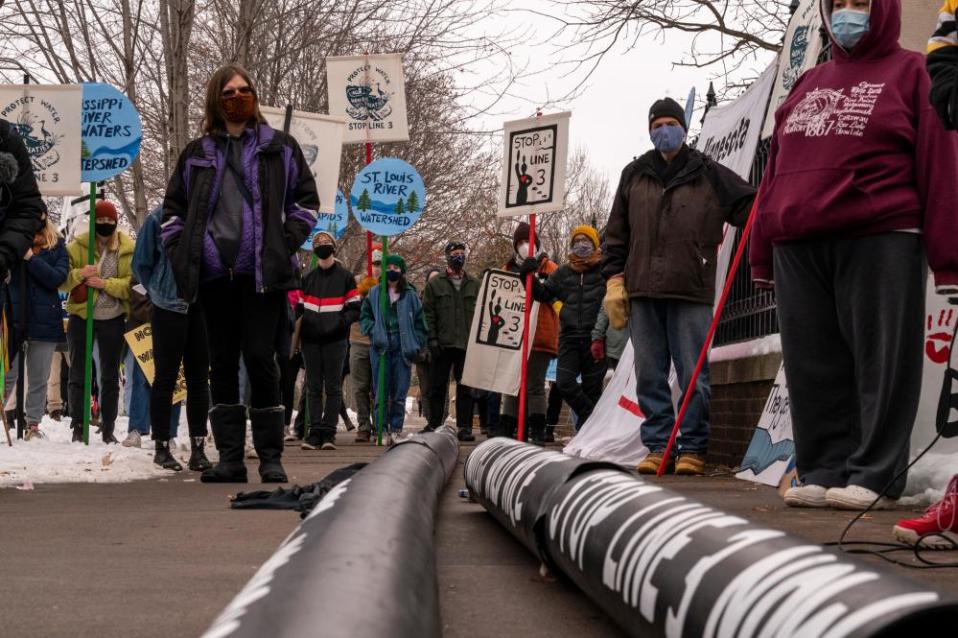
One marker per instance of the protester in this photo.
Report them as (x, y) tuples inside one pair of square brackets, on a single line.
[(136, 391), (360, 369), (397, 331), (607, 342), (179, 338), (553, 411), (580, 287), (108, 280), (328, 306), (239, 204), (42, 271), (21, 206), (59, 366), (544, 348), (661, 252), (424, 368), (289, 368), (848, 211), (449, 301)]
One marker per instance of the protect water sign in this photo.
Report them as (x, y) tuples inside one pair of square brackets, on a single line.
[(534, 165), (334, 222), (369, 92), (387, 197), (111, 133)]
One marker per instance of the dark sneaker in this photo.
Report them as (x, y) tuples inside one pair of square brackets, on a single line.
[(466, 436), (363, 436)]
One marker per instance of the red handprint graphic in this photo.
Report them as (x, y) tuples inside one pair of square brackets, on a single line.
[(938, 340)]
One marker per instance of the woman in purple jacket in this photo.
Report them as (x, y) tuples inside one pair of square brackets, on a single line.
[(857, 201), (239, 204)]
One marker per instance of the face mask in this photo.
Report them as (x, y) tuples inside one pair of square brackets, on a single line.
[(239, 108), (393, 275), (324, 251), (456, 262), (849, 27), (668, 139), (582, 248), (105, 230)]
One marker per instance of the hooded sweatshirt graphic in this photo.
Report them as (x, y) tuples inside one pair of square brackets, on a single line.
[(858, 151)]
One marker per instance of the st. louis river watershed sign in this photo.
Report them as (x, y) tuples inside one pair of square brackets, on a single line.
[(387, 197)]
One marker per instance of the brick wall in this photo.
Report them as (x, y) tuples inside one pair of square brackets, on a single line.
[(736, 409)]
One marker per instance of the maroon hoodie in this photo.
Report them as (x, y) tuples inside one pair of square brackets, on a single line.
[(858, 150)]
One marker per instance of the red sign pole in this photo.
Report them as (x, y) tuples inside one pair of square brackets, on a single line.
[(369, 235), (523, 379)]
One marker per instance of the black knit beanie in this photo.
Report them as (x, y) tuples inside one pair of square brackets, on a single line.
[(667, 107)]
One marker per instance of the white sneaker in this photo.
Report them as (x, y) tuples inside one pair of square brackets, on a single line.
[(132, 439), (251, 452), (857, 498), (806, 496)]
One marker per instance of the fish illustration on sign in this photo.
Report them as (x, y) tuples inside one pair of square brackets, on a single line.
[(40, 143)]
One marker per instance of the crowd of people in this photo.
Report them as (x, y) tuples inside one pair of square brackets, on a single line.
[(849, 217)]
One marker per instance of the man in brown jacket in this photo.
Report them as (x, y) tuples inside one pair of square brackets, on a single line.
[(660, 258)]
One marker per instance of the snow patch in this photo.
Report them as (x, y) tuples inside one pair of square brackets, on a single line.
[(929, 478)]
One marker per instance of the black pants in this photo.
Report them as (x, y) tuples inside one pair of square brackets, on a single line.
[(177, 338), (554, 407), (449, 360), (575, 358), (108, 336), (324, 376), (851, 314), (241, 321), (289, 370)]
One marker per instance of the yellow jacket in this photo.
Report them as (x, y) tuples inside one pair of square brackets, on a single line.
[(945, 34), (117, 287)]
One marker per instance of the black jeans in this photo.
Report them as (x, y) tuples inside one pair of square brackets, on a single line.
[(449, 360), (179, 338), (241, 321), (575, 358), (324, 376), (289, 370), (108, 336)]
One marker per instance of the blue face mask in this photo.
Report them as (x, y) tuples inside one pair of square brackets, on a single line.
[(668, 139), (849, 27)]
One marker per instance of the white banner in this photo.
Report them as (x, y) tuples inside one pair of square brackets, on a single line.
[(321, 138), (770, 453), (494, 353), (369, 92), (535, 151), (803, 44), (730, 132), (48, 120)]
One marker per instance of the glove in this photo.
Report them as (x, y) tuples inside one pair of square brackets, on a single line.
[(530, 264), (598, 349), (950, 291), (943, 95), (616, 302)]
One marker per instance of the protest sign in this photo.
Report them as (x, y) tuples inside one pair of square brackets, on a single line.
[(111, 133), (535, 152), (369, 92), (494, 352), (321, 139), (48, 119), (334, 222), (803, 44), (387, 196), (730, 132), (773, 446), (140, 341)]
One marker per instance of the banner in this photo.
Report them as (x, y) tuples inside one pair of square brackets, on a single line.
[(369, 92), (321, 138), (333, 222), (803, 44), (730, 132), (140, 341), (494, 352), (773, 446), (387, 196), (535, 152), (48, 120), (111, 133)]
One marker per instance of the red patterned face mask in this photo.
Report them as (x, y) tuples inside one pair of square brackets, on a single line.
[(239, 108)]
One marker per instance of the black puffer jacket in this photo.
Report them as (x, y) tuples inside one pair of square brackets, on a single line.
[(581, 295), (20, 202), (328, 304)]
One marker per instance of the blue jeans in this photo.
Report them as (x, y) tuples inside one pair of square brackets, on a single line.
[(666, 331), (398, 375), (139, 406)]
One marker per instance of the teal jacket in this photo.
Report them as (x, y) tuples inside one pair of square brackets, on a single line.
[(408, 312)]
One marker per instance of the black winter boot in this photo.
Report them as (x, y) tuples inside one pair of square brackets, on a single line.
[(550, 436), (106, 430), (267, 425), (507, 426), (78, 433), (228, 423), (537, 429), (198, 461), (164, 458)]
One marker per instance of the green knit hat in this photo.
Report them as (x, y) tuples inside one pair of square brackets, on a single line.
[(396, 260)]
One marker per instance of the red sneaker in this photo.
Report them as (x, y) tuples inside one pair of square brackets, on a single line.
[(941, 520)]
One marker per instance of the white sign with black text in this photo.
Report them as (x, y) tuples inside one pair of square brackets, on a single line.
[(534, 165), (369, 92)]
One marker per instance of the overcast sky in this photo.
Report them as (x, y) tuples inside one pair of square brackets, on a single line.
[(610, 117)]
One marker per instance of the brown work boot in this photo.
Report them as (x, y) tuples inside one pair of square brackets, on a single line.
[(363, 436), (690, 465), (650, 464)]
